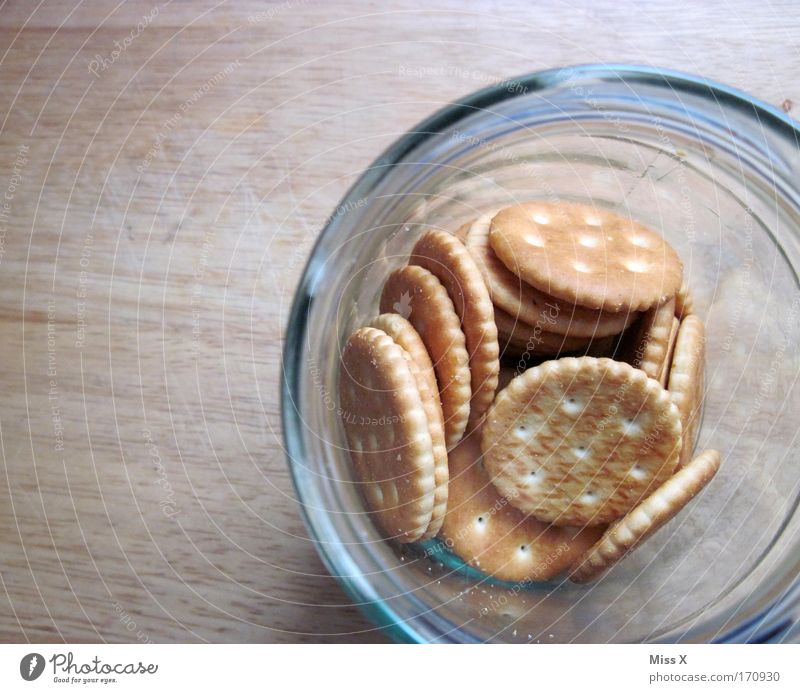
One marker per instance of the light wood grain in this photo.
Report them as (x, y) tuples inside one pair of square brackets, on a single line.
[(165, 511)]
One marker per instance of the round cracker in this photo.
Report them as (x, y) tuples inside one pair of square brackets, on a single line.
[(404, 334), (419, 296), (586, 256), (532, 306), (647, 517), (686, 380), (649, 343), (448, 259), (491, 535), (580, 441), (388, 434)]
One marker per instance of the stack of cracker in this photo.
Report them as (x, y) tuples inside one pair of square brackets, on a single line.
[(586, 449)]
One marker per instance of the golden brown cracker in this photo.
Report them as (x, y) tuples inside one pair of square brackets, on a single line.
[(650, 339), (586, 256), (404, 334), (580, 441), (448, 259), (387, 433), (531, 306), (686, 383), (645, 519), (419, 296)]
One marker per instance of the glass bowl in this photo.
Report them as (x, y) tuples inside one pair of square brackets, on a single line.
[(716, 172)]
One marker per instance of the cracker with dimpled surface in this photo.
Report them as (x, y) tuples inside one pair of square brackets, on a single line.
[(491, 535), (686, 383), (580, 441), (586, 256), (532, 306), (419, 296), (404, 335), (645, 519), (387, 434), (448, 259)]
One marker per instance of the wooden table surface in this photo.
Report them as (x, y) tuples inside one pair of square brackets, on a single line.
[(164, 170)]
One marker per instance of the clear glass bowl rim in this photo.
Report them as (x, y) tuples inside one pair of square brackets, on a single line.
[(767, 117)]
